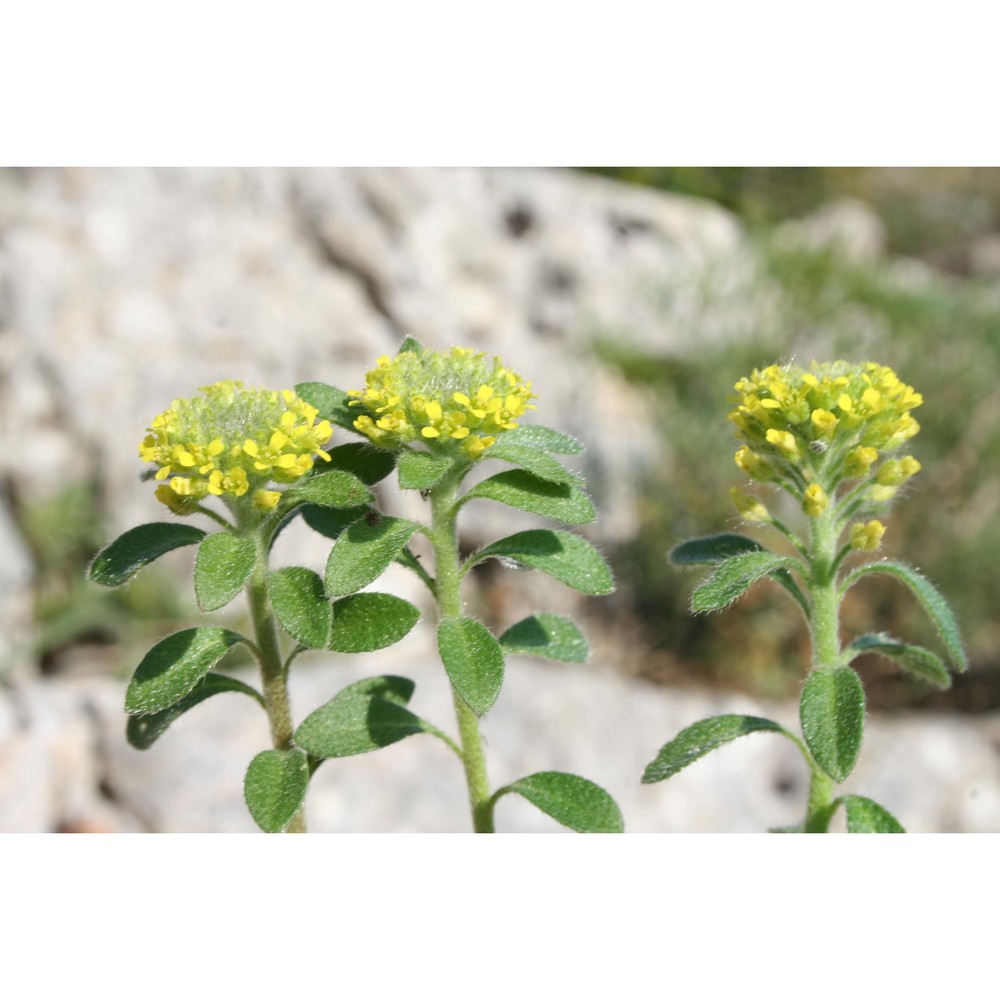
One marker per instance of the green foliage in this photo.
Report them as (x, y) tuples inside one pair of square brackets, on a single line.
[(865, 816), (369, 464), (551, 636), (571, 800), (126, 555), (275, 787), (473, 660), (534, 460), (362, 717), (142, 731), (712, 549), (364, 551), (569, 558), (918, 661), (832, 713), (333, 488), (524, 490), (420, 470), (301, 605), (332, 403), (224, 564), (369, 621), (329, 521), (701, 738), (175, 665), (733, 577), (542, 438)]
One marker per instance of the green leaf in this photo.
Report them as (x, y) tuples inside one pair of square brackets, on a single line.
[(368, 621), (420, 470), (275, 787), (865, 816), (329, 521), (142, 731), (544, 438), (567, 557), (224, 564), (175, 665), (410, 344), (363, 552), (331, 403), (915, 659), (734, 577), (363, 717), (301, 605), (473, 660), (548, 635), (526, 491), (571, 800), (832, 712), (127, 554), (930, 598), (335, 488), (712, 549), (709, 734), (541, 463), (371, 465)]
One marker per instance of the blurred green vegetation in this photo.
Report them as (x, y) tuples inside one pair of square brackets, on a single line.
[(942, 335)]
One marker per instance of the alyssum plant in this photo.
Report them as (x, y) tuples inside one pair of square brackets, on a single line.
[(265, 457), (828, 437)]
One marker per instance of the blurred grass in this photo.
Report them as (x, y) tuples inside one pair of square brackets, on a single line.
[(941, 334)]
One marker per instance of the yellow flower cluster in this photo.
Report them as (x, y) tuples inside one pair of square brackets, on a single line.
[(457, 401), (231, 440)]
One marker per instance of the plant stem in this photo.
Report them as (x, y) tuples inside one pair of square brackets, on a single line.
[(273, 674), (447, 590)]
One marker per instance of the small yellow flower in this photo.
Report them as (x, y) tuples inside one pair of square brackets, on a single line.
[(897, 471), (750, 508), (814, 500), (867, 537), (859, 461), (456, 402), (784, 441), (230, 440), (825, 422)]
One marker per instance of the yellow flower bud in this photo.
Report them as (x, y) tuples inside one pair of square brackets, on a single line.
[(784, 442), (867, 537), (814, 501), (750, 508), (859, 461), (825, 422)]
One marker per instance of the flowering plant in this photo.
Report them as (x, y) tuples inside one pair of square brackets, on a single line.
[(827, 437)]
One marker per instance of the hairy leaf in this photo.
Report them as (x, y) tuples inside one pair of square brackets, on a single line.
[(275, 787), (175, 665), (473, 660), (410, 344), (541, 463), (915, 659), (734, 577), (548, 635), (544, 438), (364, 551), (331, 402), (301, 605), (712, 549), (526, 491), (420, 470), (333, 488), (571, 800), (567, 557), (832, 712), (329, 521), (224, 564), (126, 555), (701, 738), (865, 816), (365, 622), (371, 465)]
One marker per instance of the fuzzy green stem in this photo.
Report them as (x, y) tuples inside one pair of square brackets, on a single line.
[(821, 803), (447, 591), (274, 677)]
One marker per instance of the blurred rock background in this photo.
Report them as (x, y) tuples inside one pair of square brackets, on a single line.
[(633, 301)]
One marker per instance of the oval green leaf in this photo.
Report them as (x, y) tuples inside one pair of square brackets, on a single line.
[(866, 816), (832, 712), (362, 717), (175, 665), (930, 598), (331, 402), (571, 800), (369, 621), (916, 660), (473, 660), (329, 521), (126, 555), (364, 551), (142, 731), (526, 491), (334, 488), (541, 463), (544, 438), (701, 738), (224, 564), (551, 636), (420, 470), (275, 787), (301, 605), (567, 557), (734, 577), (371, 465), (712, 549)]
